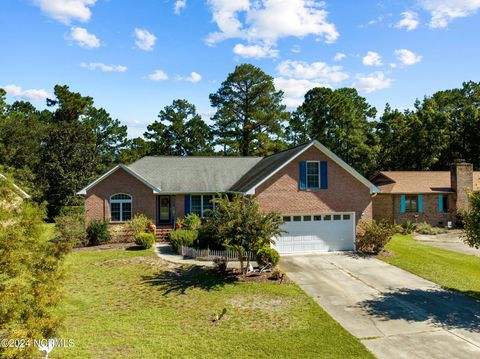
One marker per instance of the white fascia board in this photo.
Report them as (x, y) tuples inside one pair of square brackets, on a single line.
[(334, 157), (114, 169)]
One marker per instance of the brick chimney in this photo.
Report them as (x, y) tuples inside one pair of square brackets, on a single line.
[(461, 177)]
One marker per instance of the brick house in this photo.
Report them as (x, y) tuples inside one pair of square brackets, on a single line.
[(321, 198), (428, 196)]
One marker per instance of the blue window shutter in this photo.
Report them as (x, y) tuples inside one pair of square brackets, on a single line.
[(420, 203), (440, 203), (188, 204), (323, 175), (403, 205), (303, 175)]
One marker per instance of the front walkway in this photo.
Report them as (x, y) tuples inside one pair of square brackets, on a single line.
[(451, 240), (167, 253), (394, 313)]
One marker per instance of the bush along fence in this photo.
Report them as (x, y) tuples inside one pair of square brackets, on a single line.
[(212, 253)]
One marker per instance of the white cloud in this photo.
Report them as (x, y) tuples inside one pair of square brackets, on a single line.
[(297, 77), (445, 11), (295, 89), (103, 67), (319, 71), (254, 51), (158, 75), (407, 57), (29, 95), (145, 40), (84, 38), (179, 6), (371, 82), (194, 77), (265, 21), (66, 10), (296, 49), (339, 56), (409, 21), (372, 59)]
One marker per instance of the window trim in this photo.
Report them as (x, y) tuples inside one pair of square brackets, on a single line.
[(121, 202), (202, 203), (307, 175), (408, 203)]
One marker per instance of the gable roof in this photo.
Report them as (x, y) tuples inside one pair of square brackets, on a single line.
[(404, 182), (155, 189), (272, 164), (211, 174), (194, 174)]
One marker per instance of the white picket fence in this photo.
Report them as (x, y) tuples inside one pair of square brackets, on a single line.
[(212, 253)]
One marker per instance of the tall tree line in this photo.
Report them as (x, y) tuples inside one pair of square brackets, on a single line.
[(56, 151)]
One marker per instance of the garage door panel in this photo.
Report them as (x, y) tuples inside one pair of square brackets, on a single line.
[(317, 236)]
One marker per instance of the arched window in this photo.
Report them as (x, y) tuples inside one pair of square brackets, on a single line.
[(120, 207)]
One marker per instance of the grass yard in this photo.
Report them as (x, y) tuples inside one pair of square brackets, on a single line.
[(450, 269), (129, 304)]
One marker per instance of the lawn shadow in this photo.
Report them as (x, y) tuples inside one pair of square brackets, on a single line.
[(180, 279), (443, 308)]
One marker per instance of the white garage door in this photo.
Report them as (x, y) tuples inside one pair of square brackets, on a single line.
[(326, 232)]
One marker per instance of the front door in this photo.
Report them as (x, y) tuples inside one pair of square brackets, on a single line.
[(164, 210)]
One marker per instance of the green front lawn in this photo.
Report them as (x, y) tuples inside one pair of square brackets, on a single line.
[(128, 304), (450, 269)]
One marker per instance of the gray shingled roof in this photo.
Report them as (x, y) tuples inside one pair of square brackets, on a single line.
[(209, 174), (193, 174), (265, 167)]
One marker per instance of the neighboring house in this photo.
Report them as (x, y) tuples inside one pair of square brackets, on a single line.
[(429, 196), (321, 198), (11, 197)]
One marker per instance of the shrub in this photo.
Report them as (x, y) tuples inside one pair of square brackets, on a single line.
[(70, 210), (71, 227), (374, 236), (190, 222), (425, 228), (97, 233), (138, 224), (471, 221), (220, 264), (276, 274), (268, 255), (408, 226), (182, 237), (144, 239)]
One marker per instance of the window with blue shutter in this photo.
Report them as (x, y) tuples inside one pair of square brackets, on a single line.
[(440, 203), (188, 206), (420, 203), (303, 175), (323, 175), (403, 204)]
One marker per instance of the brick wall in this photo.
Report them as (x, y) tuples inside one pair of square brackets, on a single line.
[(179, 206), (462, 183), (345, 193), (430, 214), (383, 207), (97, 200)]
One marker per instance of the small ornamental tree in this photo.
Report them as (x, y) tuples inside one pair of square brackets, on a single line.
[(31, 274), (471, 221), (239, 225)]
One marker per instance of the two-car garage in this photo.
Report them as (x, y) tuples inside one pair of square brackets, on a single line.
[(324, 232)]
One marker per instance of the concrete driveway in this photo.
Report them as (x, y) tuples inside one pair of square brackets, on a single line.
[(394, 313), (451, 240)]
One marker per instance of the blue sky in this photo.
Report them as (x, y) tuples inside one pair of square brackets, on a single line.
[(135, 57)]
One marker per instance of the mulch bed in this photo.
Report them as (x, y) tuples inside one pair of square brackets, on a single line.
[(256, 277), (107, 246)]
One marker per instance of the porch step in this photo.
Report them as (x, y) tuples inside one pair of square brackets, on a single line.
[(161, 232)]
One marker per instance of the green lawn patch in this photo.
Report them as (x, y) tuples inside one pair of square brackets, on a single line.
[(449, 269), (129, 304)]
